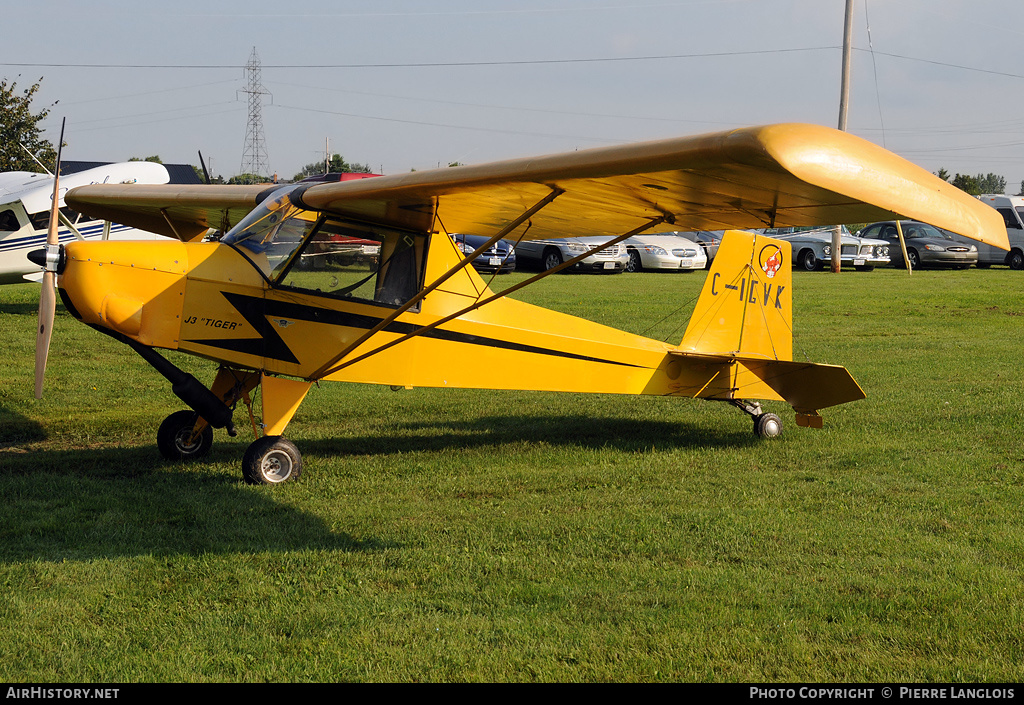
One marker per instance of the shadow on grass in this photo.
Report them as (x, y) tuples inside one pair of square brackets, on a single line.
[(622, 434), (106, 503), (24, 308), (16, 428)]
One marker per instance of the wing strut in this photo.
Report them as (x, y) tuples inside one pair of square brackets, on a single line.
[(532, 211), (431, 326)]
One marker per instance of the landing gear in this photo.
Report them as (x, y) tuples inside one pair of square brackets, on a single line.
[(765, 425), (271, 460), (176, 439)]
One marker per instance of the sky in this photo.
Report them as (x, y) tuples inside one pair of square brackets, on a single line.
[(413, 84)]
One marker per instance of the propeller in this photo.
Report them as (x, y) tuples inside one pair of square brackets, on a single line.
[(206, 173), (48, 295)]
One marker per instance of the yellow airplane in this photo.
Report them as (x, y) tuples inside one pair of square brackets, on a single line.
[(279, 306)]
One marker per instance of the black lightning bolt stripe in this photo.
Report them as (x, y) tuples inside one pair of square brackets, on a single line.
[(255, 310)]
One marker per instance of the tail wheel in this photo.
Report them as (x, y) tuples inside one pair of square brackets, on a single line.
[(271, 460), (175, 438), (767, 426)]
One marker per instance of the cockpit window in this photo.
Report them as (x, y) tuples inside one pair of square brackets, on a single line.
[(9, 221), (327, 256), (272, 232), (358, 261)]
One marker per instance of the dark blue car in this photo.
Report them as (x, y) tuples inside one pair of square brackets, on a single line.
[(499, 257)]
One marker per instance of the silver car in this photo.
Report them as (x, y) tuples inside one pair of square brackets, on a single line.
[(927, 246), (812, 248), (548, 254)]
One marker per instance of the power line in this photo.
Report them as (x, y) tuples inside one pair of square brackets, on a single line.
[(436, 64)]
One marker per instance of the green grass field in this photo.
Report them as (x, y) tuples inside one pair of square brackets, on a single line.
[(448, 535)]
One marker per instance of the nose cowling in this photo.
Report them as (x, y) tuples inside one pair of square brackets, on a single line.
[(134, 288)]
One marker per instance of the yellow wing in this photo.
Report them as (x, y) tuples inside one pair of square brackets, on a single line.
[(183, 212), (788, 174)]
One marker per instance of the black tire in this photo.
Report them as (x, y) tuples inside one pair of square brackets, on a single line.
[(552, 258), (915, 259), (983, 265), (271, 460), (767, 426), (634, 264), (1015, 259), (174, 434), (810, 261)]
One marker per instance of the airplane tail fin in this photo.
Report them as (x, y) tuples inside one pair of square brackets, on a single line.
[(744, 323), (746, 307)]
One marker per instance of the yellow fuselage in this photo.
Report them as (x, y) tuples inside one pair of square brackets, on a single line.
[(208, 299)]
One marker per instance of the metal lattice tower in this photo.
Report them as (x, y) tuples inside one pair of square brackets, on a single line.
[(254, 153)]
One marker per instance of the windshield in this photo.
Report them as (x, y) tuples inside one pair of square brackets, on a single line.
[(923, 230), (272, 232)]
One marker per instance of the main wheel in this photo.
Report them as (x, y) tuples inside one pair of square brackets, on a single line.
[(271, 460), (915, 259), (174, 437), (634, 264), (552, 258), (1015, 259), (810, 261), (767, 426)]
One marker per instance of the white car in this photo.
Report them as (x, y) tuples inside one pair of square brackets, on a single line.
[(664, 251), (548, 254), (812, 248)]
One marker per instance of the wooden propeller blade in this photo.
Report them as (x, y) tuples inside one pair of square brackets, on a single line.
[(47, 309), (48, 294)]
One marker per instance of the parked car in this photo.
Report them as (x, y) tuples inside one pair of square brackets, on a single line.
[(1012, 210), (499, 257), (663, 251), (548, 254), (709, 240), (812, 248), (927, 246)]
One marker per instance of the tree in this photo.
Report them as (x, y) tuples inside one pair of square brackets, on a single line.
[(967, 183), (338, 165), (991, 183), (250, 179), (942, 174), (155, 158), (20, 126)]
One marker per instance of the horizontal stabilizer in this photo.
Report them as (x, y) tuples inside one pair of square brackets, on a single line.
[(805, 386)]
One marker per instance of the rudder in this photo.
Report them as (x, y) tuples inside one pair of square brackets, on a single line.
[(745, 307)]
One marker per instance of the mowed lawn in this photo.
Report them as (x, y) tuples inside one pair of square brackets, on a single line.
[(449, 535)]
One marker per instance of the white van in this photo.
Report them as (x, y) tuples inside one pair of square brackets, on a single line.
[(1012, 210)]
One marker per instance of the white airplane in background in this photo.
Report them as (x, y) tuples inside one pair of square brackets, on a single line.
[(25, 210)]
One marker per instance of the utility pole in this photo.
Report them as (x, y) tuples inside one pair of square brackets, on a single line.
[(844, 105)]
